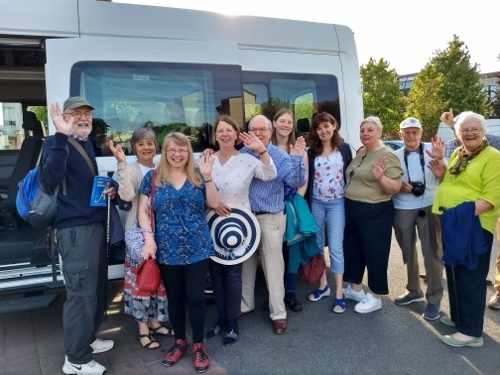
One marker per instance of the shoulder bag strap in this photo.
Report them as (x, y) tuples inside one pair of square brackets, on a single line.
[(80, 149), (151, 203)]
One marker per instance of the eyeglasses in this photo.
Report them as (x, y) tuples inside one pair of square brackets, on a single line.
[(412, 133), (473, 131), (172, 152), (261, 131), (78, 115)]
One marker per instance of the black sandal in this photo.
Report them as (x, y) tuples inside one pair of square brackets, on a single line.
[(155, 331), (149, 343)]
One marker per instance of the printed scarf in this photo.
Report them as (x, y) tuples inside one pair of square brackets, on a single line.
[(464, 158)]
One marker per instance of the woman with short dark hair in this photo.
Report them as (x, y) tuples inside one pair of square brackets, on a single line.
[(149, 309)]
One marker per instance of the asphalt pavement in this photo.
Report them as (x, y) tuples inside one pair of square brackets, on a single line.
[(394, 340)]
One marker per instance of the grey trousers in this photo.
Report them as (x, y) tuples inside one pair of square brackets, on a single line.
[(83, 253), (405, 223)]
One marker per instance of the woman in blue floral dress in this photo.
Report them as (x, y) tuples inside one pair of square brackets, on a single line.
[(181, 243)]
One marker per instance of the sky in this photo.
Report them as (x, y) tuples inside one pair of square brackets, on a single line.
[(405, 33)]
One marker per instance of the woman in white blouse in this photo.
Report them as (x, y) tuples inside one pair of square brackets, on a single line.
[(148, 309), (232, 173)]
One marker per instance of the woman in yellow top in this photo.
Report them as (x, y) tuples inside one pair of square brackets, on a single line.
[(473, 175), (372, 178)]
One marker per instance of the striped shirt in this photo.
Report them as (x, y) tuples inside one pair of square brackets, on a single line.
[(268, 196)]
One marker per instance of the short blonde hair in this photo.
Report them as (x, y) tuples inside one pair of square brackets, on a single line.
[(375, 120)]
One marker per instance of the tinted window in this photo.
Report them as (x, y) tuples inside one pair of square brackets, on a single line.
[(166, 97), (304, 94)]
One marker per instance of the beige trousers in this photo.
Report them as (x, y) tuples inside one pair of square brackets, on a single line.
[(272, 227)]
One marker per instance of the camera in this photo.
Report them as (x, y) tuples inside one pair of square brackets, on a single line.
[(418, 188)]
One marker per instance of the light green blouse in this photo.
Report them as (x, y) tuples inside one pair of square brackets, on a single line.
[(480, 180)]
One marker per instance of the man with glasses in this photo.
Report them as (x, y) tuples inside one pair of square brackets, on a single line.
[(267, 203), (413, 209), (78, 233)]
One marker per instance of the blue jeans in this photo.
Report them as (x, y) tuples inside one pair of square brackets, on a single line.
[(333, 214)]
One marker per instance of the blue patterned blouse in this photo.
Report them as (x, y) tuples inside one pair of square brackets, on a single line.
[(181, 231)]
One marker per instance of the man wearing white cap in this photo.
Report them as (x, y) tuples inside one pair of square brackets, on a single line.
[(413, 209)]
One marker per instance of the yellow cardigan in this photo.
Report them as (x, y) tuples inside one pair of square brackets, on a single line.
[(480, 180)]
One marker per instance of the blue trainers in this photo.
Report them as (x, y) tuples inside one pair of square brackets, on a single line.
[(319, 293)]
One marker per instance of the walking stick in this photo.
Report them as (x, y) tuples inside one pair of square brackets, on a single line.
[(108, 204)]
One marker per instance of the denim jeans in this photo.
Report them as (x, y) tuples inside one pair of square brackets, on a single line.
[(289, 279), (333, 214)]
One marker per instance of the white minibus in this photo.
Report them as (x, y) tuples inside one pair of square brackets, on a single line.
[(168, 69)]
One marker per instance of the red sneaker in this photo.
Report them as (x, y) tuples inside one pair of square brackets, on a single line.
[(175, 353), (200, 357)]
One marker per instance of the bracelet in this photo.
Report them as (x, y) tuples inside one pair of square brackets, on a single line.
[(146, 230), (206, 181), (263, 152)]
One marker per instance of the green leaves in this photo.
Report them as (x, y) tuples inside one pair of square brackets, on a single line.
[(381, 95), (448, 80), (425, 101)]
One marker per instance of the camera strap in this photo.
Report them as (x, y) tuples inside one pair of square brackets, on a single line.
[(422, 161)]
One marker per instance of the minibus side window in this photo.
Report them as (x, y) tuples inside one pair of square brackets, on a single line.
[(166, 97), (304, 94)]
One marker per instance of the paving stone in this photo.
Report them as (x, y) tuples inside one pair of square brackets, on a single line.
[(23, 365)]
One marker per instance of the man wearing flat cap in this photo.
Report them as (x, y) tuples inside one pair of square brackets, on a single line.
[(413, 210), (78, 233)]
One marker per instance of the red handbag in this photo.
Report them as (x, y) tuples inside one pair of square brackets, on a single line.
[(313, 270), (148, 276)]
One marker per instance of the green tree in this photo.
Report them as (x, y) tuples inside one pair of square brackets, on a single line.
[(41, 114), (425, 102), (381, 95), (462, 88)]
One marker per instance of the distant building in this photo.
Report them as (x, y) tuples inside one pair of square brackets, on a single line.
[(491, 86), (489, 80)]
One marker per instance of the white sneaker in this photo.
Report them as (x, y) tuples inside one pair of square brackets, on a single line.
[(349, 293), (91, 368), (101, 346), (368, 304)]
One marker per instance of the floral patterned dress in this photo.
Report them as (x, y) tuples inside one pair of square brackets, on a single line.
[(141, 305), (181, 232)]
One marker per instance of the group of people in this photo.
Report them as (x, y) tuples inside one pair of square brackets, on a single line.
[(356, 201)]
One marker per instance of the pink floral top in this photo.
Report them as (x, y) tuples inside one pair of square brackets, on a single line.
[(328, 177)]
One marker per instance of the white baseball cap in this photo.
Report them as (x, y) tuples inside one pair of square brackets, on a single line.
[(410, 122)]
